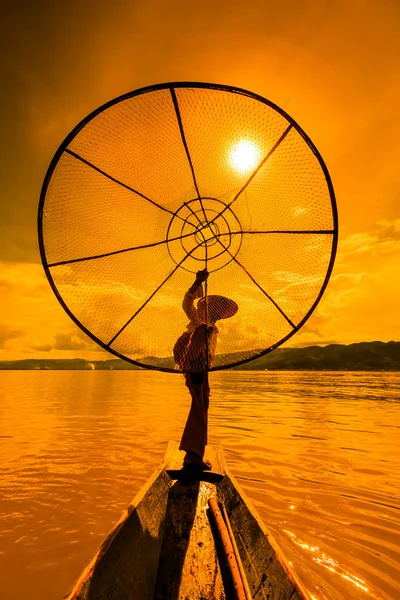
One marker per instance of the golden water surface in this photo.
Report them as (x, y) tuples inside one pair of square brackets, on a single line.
[(316, 452)]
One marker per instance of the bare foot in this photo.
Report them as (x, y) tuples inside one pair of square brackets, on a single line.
[(194, 460)]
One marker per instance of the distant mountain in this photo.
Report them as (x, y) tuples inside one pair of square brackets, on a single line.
[(65, 364), (364, 356)]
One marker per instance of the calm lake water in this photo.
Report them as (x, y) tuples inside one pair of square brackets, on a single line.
[(318, 454)]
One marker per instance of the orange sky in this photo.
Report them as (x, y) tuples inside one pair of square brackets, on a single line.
[(333, 66)]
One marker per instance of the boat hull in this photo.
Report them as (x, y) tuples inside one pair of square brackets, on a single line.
[(165, 548)]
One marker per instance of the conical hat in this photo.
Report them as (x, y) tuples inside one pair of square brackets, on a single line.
[(219, 307)]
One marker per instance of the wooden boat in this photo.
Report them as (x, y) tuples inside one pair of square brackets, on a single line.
[(188, 535)]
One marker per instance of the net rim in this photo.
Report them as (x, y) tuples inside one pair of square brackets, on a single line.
[(171, 86)]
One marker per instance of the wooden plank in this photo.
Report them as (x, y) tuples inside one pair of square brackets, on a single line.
[(189, 567)]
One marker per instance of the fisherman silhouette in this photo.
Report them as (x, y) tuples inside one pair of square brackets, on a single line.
[(194, 353)]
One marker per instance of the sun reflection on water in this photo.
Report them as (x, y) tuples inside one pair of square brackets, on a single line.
[(329, 563)]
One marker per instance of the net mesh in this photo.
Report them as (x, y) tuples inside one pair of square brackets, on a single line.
[(168, 181)]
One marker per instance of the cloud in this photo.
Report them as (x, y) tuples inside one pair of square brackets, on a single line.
[(22, 279), (77, 340), (65, 341), (8, 332), (361, 243), (309, 339), (362, 298), (384, 239), (42, 347), (345, 288), (392, 226)]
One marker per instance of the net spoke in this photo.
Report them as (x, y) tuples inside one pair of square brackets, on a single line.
[(300, 231), (200, 230), (152, 295), (124, 185), (114, 252), (195, 215), (182, 132), (257, 284), (262, 163)]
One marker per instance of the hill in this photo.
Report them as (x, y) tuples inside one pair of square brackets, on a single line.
[(363, 356)]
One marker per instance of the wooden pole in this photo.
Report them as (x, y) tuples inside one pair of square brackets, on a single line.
[(236, 550), (228, 550)]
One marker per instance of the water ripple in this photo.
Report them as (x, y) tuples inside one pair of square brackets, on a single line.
[(316, 453)]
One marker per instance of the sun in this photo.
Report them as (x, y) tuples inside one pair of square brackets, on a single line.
[(244, 156)]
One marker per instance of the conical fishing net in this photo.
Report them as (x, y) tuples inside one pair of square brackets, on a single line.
[(171, 180)]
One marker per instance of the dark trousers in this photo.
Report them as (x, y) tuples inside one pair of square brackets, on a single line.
[(194, 437)]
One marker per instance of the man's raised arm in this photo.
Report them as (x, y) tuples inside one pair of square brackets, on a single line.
[(195, 291)]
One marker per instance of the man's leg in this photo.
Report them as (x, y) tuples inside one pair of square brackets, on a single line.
[(194, 438)]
